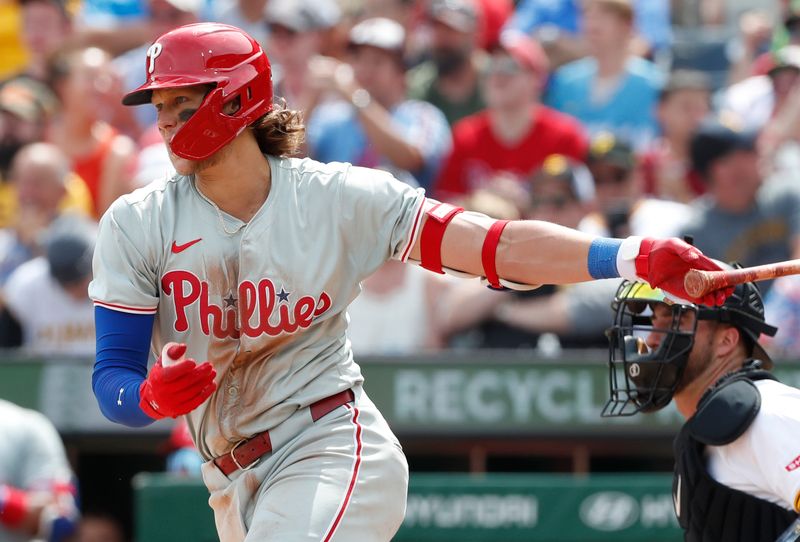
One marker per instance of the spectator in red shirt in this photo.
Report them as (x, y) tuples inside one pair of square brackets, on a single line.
[(515, 133)]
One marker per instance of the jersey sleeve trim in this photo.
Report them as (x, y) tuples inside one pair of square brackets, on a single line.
[(412, 236), (126, 308)]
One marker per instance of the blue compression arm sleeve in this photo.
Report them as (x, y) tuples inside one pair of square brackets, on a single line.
[(123, 345)]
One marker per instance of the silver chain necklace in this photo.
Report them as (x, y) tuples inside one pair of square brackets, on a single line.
[(220, 218)]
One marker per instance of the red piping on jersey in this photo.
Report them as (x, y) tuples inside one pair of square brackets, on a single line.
[(351, 487), (125, 308), (414, 230)]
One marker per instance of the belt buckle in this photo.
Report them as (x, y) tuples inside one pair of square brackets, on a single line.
[(236, 461)]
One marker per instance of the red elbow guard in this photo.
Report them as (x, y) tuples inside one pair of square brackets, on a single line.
[(432, 234)]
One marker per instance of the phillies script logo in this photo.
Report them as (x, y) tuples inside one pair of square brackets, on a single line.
[(793, 465), (256, 305)]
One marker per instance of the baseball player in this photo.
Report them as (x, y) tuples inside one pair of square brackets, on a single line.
[(37, 493), (248, 259), (737, 471)]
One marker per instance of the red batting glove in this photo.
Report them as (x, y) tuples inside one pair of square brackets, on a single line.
[(176, 389), (664, 263)]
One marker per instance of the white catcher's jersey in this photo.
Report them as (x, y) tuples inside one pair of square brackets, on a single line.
[(264, 301), (765, 460)]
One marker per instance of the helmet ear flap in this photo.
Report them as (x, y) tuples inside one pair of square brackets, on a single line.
[(208, 130)]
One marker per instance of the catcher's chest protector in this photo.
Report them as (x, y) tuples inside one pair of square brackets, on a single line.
[(707, 510)]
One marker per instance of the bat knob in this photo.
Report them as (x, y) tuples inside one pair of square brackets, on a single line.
[(695, 283), (172, 353)]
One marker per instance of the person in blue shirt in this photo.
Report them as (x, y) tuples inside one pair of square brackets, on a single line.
[(611, 90), (375, 125)]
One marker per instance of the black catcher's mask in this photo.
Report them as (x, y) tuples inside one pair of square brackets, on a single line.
[(644, 380)]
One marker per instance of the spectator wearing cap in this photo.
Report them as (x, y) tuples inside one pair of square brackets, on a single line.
[(779, 140), (45, 299), (610, 90), (296, 29), (621, 207), (562, 191), (666, 166), (757, 99), (450, 79), (515, 133), (25, 107), (558, 24), (784, 75), (375, 125), (741, 218)]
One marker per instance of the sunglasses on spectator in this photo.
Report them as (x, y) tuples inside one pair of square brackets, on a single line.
[(281, 31), (503, 66), (613, 176), (606, 173)]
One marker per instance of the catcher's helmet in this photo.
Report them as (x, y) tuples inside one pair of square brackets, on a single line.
[(644, 380), (214, 54)]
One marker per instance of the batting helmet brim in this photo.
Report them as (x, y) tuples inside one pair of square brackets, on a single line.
[(143, 94)]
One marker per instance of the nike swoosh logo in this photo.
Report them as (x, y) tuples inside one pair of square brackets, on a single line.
[(676, 498), (176, 248)]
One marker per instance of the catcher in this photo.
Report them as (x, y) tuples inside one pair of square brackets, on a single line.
[(737, 469)]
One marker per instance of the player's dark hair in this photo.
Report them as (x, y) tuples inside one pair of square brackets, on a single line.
[(281, 131)]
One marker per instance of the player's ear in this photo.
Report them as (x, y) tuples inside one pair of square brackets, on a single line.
[(727, 338), (232, 106)]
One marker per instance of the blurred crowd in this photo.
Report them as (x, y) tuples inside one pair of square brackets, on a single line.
[(615, 117)]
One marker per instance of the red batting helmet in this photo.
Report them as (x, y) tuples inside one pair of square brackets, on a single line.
[(209, 53)]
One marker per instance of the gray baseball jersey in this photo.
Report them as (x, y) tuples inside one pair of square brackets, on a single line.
[(264, 301), (32, 456)]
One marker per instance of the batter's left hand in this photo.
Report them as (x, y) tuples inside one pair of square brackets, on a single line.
[(175, 386), (663, 263)]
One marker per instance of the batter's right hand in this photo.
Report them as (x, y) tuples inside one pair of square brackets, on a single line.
[(178, 388)]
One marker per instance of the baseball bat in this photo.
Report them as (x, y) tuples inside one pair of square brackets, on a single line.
[(698, 283)]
